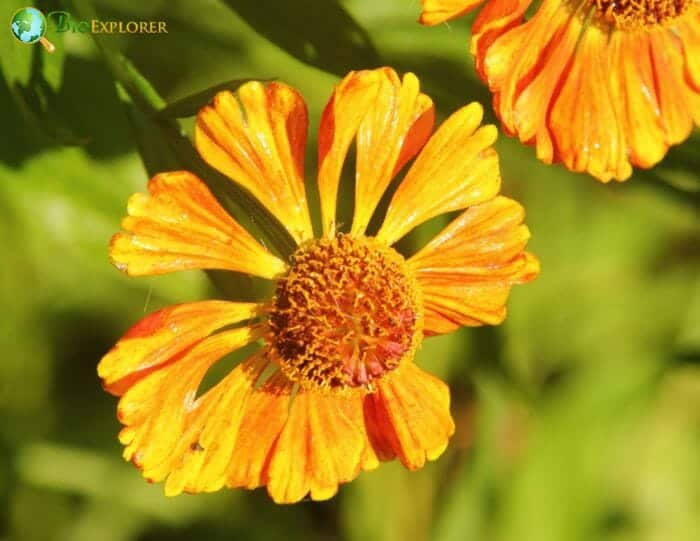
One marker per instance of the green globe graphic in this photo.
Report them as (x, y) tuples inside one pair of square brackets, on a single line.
[(28, 25)]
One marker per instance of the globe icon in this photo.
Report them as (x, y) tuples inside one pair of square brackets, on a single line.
[(28, 25)]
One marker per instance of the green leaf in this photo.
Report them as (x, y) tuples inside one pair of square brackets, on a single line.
[(15, 57), (34, 78), (322, 34)]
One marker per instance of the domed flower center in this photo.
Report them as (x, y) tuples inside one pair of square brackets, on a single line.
[(347, 313), (636, 13)]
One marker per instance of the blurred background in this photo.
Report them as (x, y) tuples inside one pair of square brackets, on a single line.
[(577, 419)]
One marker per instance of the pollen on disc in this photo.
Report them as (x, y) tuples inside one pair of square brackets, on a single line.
[(346, 315), (635, 13)]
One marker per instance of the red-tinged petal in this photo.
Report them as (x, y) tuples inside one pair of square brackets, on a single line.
[(157, 409), (341, 118), (390, 120), (395, 128), (409, 417), (533, 96), (515, 57), (495, 19), (457, 168), (163, 335), (438, 11), (258, 139), (181, 226)]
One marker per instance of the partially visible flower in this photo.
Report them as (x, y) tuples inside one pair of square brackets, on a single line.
[(600, 85), (333, 389)]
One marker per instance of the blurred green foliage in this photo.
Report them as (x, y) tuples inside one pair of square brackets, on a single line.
[(577, 419)]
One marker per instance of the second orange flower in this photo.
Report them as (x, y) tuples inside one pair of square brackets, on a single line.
[(599, 85)]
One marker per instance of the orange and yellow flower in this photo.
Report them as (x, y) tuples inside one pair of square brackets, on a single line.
[(599, 85), (333, 388)]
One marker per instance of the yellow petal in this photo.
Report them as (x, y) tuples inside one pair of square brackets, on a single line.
[(438, 11), (319, 447), (200, 460), (456, 169), (341, 118), (157, 410), (163, 335), (465, 273), (690, 36), (631, 71), (264, 416), (479, 242), (181, 226), (395, 128), (259, 141)]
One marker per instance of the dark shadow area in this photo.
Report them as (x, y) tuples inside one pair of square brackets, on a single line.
[(451, 84), (193, 48), (78, 340), (15, 149), (321, 34), (89, 104), (84, 112)]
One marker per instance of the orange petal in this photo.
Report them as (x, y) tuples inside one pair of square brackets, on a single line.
[(395, 128), (409, 416), (533, 95), (456, 169), (465, 273), (482, 241), (667, 59), (341, 118), (181, 226), (438, 11), (516, 56), (258, 139), (632, 86), (199, 461), (319, 447), (163, 335), (263, 419), (464, 303), (157, 410), (584, 118), (493, 20), (689, 33)]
